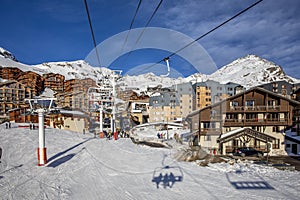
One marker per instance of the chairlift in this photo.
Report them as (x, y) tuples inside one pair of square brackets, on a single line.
[(168, 67)]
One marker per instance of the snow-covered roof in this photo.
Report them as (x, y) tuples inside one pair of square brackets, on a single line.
[(159, 123), (230, 133)]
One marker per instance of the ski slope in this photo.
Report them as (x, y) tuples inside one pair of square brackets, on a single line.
[(83, 167)]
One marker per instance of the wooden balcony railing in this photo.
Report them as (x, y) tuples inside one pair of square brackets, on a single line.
[(254, 108), (256, 121)]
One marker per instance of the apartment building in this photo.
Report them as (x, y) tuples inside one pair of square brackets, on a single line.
[(254, 118), (210, 92), (283, 88), (79, 85), (13, 95), (73, 100), (54, 81), (9, 73), (33, 80), (172, 104)]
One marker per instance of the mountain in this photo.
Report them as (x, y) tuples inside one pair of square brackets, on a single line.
[(251, 71), (6, 54), (248, 71)]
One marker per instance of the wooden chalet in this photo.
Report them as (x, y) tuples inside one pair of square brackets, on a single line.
[(253, 118)]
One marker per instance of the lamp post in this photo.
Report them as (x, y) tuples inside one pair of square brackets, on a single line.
[(41, 110)]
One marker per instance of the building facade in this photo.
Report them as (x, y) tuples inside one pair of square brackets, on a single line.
[(255, 118)]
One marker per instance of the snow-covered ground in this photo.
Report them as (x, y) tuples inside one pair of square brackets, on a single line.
[(83, 167)]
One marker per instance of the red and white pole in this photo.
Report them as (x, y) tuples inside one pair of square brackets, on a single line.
[(41, 151)]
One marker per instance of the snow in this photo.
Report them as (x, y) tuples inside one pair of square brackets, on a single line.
[(250, 71), (231, 133), (83, 167)]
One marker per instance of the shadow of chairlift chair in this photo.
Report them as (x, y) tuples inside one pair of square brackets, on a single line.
[(167, 175)]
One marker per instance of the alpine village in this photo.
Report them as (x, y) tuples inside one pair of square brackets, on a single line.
[(219, 118)]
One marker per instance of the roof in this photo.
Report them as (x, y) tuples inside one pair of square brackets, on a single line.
[(159, 123), (244, 131), (295, 139)]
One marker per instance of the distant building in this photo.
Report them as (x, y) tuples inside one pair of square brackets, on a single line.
[(210, 92), (79, 85), (139, 111), (54, 81), (33, 80), (283, 88), (73, 100), (171, 104), (165, 106), (73, 120), (13, 95), (9, 73)]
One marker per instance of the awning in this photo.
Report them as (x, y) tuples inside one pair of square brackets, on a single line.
[(244, 132)]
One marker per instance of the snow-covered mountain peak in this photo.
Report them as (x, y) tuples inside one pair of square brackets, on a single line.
[(6, 54), (251, 70)]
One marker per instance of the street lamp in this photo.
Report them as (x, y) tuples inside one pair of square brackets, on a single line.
[(41, 106)]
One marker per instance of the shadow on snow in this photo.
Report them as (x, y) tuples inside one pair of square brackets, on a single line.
[(66, 158), (250, 185), (167, 175)]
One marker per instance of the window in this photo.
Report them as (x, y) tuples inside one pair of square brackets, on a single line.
[(271, 103), (276, 129), (250, 103), (235, 103), (275, 144)]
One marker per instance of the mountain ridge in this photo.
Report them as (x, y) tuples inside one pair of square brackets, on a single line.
[(247, 71)]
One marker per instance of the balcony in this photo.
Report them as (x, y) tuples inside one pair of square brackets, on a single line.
[(257, 122), (254, 108)]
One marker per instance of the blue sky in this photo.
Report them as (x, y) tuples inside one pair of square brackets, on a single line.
[(38, 31)]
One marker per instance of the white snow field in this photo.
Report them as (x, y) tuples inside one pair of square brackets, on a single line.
[(83, 167)]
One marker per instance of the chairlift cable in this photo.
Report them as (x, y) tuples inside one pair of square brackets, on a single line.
[(131, 24), (207, 33), (147, 24), (92, 31)]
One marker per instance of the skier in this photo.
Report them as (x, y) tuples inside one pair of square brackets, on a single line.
[(0, 154)]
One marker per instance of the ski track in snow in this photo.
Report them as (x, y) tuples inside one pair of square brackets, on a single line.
[(83, 167)]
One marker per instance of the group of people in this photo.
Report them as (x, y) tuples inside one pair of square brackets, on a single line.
[(117, 134), (31, 126), (160, 136), (7, 125)]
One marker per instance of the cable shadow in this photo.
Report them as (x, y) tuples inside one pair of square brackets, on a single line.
[(69, 149), (250, 185)]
